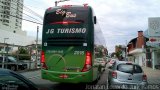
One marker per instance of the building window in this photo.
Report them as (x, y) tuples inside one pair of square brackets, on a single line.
[(7, 21), (6, 12), (16, 20), (14, 31), (6, 24), (16, 24)]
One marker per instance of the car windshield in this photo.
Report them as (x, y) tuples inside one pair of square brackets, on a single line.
[(12, 59)]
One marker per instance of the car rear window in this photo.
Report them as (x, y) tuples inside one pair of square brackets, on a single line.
[(129, 68)]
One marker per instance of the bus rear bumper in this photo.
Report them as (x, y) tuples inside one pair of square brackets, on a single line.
[(67, 77)]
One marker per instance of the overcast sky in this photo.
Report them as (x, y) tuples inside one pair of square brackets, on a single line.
[(119, 19)]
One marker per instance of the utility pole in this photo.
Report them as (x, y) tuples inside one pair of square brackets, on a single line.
[(36, 47), (4, 49), (126, 51), (56, 2)]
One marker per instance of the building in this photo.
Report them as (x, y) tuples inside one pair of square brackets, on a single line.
[(11, 12), (136, 49), (153, 51)]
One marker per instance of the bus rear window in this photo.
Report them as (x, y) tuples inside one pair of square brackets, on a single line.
[(70, 16)]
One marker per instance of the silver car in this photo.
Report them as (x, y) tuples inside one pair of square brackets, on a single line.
[(126, 75)]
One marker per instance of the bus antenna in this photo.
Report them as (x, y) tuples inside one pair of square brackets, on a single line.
[(56, 2)]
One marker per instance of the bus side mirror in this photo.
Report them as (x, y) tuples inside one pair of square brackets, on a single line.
[(95, 20)]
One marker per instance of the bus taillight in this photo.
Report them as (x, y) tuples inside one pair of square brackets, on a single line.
[(50, 8), (43, 64), (66, 22), (88, 62)]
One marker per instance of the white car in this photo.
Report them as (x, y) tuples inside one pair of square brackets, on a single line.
[(126, 75)]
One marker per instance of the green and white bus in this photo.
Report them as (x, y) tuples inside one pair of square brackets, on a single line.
[(69, 39)]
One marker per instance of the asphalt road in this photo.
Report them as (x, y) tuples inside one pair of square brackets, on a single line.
[(35, 77)]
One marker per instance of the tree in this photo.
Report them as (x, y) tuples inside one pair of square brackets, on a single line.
[(24, 53), (118, 51)]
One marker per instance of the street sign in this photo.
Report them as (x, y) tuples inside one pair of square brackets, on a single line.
[(154, 39), (153, 44), (154, 26)]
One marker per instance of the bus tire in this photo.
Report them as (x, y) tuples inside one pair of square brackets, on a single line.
[(97, 79), (95, 82)]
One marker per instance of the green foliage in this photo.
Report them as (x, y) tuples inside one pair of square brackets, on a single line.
[(119, 52), (24, 54)]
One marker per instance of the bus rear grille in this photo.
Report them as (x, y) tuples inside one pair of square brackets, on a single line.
[(65, 44), (65, 41)]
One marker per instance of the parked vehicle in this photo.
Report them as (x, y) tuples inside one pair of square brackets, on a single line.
[(12, 63), (111, 62), (106, 59), (102, 63), (125, 75), (10, 80)]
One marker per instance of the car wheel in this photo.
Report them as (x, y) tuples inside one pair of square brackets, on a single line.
[(13, 68)]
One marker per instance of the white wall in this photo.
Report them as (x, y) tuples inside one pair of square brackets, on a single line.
[(15, 39), (140, 59)]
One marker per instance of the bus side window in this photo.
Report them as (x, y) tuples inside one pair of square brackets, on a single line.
[(95, 20)]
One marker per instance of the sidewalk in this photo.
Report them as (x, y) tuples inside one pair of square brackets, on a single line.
[(153, 76)]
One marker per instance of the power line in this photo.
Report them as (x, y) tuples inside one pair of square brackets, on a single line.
[(30, 11), (22, 13), (34, 12), (19, 17), (23, 19)]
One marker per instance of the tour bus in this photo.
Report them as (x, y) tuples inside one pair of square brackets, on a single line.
[(70, 41)]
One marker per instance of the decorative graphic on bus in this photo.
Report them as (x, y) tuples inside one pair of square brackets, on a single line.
[(61, 58), (63, 12), (66, 30)]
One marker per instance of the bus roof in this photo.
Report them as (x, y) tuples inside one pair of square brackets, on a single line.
[(68, 7)]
